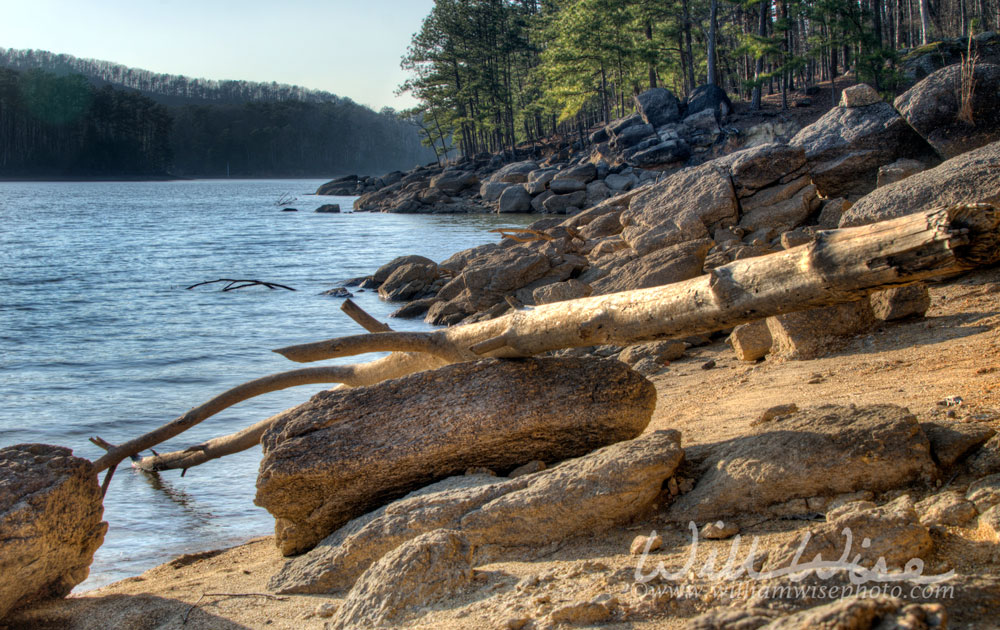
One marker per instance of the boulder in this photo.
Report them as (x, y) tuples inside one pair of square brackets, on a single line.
[(783, 215), (561, 291), (419, 572), (987, 460), (712, 98), (50, 523), (663, 266), (514, 200), (773, 195), (893, 531), (584, 173), (658, 106), (820, 451), (347, 452), (342, 186), (661, 154), (514, 173), (811, 334), (453, 182), (633, 135), (414, 309), (538, 203), (682, 207), (847, 145), (581, 496), (485, 280), (763, 165), (934, 108), (952, 441), (605, 225), (382, 273), (661, 352), (615, 127), (898, 171), (329, 208), (566, 186), (620, 183), (560, 204), (491, 191), (831, 212), (407, 281), (984, 493), (751, 341), (597, 191), (913, 300), (971, 176), (860, 95), (947, 508)]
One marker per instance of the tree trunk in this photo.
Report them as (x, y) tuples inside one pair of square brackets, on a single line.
[(839, 266), (925, 21), (687, 47), (712, 15), (759, 67)]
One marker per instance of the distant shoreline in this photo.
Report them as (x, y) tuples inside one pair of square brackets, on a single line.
[(145, 178)]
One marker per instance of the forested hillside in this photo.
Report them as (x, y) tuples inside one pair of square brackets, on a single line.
[(57, 121), (491, 73)]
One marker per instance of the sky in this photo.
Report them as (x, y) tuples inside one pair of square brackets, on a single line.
[(349, 47)]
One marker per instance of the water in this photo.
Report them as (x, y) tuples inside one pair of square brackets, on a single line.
[(98, 335)]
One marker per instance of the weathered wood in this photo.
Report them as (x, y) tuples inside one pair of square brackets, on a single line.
[(838, 266)]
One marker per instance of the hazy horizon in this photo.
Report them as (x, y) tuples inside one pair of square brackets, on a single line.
[(347, 48)]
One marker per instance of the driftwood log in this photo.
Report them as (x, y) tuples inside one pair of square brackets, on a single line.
[(838, 266)]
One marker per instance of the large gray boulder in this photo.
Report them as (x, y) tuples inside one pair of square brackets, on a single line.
[(822, 451), (347, 452), (712, 98), (846, 147), (454, 182), (683, 207), (661, 154), (577, 497), (971, 176), (50, 523), (933, 108), (658, 106), (408, 281), (663, 266), (514, 200), (514, 173), (763, 165), (382, 273)]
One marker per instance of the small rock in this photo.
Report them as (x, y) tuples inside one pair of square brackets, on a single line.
[(985, 493), (900, 302), (859, 95), (947, 508), (289, 209), (989, 521), (719, 530), (526, 469), (339, 292), (951, 401), (751, 341), (708, 365), (777, 411), (639, 544), (479, 470), (326, 610), (581, 613), (329, 208), (672, 487)]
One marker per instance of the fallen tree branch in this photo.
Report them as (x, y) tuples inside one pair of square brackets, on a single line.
[(283, 380), (236, 284), (838, 266)]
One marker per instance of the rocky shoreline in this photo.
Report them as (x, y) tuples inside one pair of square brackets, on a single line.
[(570, 454)]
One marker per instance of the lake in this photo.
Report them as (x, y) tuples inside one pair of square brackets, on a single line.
[(98, 335)]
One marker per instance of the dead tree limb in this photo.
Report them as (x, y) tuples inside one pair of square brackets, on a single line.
[(362, 318), (274, 382), (838, 266), (241, 284)]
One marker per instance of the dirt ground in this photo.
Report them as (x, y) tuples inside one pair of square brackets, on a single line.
[(954, 351)]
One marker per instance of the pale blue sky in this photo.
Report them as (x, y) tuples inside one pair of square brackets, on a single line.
[(351, 48)]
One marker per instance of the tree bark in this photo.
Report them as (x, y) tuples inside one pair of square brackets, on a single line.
[(839, 266), (712, 18)]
